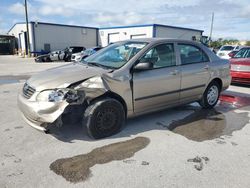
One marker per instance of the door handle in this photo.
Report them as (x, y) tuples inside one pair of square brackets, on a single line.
[(175, 72), (206, 67)]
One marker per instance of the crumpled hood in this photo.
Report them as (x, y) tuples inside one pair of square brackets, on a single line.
[(63, 76)]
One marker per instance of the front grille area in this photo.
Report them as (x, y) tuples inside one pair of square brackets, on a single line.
[(240, 68), (28, 91)]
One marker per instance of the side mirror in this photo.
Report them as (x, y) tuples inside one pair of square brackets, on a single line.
[(143, 66), (231, 55)]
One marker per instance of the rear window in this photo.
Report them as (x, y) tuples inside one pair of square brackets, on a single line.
[(191, 54), (77, 49), (226, 48), (243, 53)]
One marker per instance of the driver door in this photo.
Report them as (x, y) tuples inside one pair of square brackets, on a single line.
[(160, 86)]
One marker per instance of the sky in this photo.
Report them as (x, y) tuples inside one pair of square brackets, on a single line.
[(232, 17)]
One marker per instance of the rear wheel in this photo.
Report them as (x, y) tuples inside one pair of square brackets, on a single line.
[(210, 96), (104, 118)]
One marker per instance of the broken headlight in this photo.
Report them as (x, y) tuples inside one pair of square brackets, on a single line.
[(57, 95)]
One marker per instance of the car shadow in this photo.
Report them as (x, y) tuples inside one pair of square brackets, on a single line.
[(190, 121), (69, 132), (241, 85)]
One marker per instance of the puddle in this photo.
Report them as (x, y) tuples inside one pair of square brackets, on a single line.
[(204, 124), (235, 101), (11, 79), (77, 168)]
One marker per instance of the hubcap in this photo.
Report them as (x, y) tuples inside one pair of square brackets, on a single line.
[(106, 119), (212, 95)]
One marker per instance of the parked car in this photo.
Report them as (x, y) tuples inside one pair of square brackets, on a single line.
[(57, 55), (43, 58), (60, 55), (79, 56), (213, 50), (72, 50), (232, 53), (240, 66), (123, 80), (225, 50), (52, 56)]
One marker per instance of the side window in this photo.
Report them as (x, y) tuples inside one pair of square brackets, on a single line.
[(191, 54), (162, 55)]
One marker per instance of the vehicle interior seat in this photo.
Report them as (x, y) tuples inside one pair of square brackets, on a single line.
[(165, 56), (194, 57)]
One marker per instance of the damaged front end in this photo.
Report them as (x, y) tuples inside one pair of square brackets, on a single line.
[(49, 106)]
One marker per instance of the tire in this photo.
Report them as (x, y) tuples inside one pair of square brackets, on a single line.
[(210, 96), (104, 118), (48, 59)]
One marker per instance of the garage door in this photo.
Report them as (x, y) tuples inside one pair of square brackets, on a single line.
[(138, 36), (113, 37)]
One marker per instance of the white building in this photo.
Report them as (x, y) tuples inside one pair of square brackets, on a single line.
[(50, 37), (112, 34)]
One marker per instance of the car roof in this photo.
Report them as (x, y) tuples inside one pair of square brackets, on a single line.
[(156, 40), (244, 47)]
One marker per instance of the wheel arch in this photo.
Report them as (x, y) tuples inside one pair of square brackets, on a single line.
[(218, 81), (113, 95)]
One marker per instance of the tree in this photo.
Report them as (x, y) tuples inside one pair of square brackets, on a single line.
[(247, 43), (220, 42)]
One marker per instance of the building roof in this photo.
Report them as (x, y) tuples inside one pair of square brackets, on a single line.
[(153, 25), (7, 36), (116, 27), (46, 23)]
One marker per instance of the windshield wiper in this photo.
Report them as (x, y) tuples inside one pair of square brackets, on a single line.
[(99, 65)]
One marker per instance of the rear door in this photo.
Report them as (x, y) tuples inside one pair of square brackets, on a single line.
[(194, 71), (159, 86)]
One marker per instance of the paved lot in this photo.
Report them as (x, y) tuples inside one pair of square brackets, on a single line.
[(181, 147)]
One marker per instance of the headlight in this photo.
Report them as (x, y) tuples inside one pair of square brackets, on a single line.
[(56, 95)]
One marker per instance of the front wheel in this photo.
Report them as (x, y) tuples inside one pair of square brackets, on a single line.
[(210, 96), (104, 118)]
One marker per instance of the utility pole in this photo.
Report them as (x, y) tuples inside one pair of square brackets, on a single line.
[(27, 27), (211, 29)]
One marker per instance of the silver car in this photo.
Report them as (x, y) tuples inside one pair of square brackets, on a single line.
[(125, 79)]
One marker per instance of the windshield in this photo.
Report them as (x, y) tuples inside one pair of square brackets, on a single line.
[(89, 51), (116, 55), (243, 53), (227, 48)]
